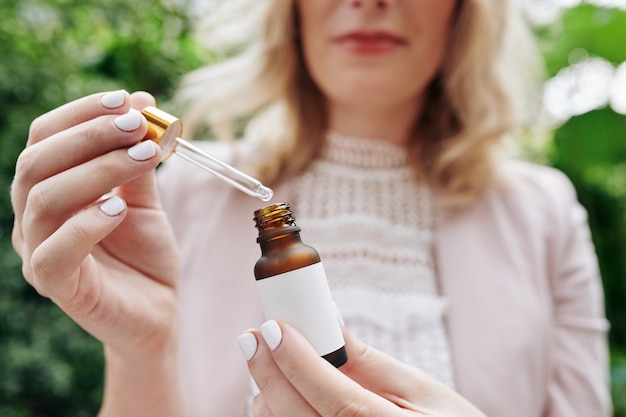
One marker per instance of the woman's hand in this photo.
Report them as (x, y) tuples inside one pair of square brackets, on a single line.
[(294, 381), (90, 231)]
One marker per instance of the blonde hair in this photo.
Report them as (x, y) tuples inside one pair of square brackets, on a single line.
[(470, 105)]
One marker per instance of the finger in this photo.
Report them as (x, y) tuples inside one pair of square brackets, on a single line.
[(142, 191), (260, 407), (52, 201), (87, 138), (78, 144), (77, 112), (327, 390), (70, 148), (280, 397), (400, 384), (58, 261), (55, 121), (397, 385), (140, 100), (139, 232)]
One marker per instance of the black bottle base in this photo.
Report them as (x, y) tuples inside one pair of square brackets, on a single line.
[(338, 357)]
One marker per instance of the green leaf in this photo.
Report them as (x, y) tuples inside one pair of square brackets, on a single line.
[(597, 30)]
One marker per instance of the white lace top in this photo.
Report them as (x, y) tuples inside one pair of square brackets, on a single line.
[(361, 206)]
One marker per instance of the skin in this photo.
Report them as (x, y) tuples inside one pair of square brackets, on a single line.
[(117, 275), (365, 91), (295, 381)]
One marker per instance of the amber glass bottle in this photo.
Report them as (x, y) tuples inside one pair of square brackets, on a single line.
[(292, 283)]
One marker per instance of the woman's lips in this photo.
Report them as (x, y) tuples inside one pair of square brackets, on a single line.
[(370, 42)]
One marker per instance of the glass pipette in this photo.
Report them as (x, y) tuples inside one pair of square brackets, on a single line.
[(166, 129)]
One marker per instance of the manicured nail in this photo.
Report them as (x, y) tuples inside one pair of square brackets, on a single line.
[(142, 151), (129, 121), (113, 206), (113, 99), (248, 345), (272, 334), (254, 387)]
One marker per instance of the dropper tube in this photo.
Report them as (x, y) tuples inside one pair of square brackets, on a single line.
[(166, 129)]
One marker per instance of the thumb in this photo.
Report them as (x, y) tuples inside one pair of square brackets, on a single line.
[(400, 383), (139, 100)]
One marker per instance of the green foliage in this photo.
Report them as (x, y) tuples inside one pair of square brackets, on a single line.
[(591, 141), (588, 149), (591, 150), (49, 367), (597, 30), (618, 376), (54, 51)]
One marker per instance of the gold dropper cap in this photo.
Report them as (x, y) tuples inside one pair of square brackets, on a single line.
[(163, 128)]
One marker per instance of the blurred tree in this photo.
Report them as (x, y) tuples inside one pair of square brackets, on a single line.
[(591, 149), (54, 51)]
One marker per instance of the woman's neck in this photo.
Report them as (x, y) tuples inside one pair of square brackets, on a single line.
[(392, 123)]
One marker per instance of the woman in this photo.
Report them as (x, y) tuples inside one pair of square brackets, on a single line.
[(382, 122)]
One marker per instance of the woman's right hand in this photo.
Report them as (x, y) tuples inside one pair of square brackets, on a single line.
[(111, 262)]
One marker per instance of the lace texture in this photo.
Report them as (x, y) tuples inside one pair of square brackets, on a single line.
[(361, 206)]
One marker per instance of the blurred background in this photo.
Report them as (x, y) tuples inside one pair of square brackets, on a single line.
[(54, 51)]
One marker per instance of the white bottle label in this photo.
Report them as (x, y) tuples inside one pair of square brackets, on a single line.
[(302, 298)]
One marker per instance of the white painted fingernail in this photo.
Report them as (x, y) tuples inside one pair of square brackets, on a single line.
[(113, 99), (142, 151), (272, 334), (129, 121), (113, 206), (248, 345), (254, 387)]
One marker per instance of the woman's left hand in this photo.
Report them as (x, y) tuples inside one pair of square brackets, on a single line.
[(294, 381)]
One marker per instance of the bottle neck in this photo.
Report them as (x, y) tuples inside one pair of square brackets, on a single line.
[(279, 242), (274, 221)]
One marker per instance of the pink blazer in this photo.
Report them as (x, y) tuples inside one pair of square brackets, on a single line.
[(526, 318)]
